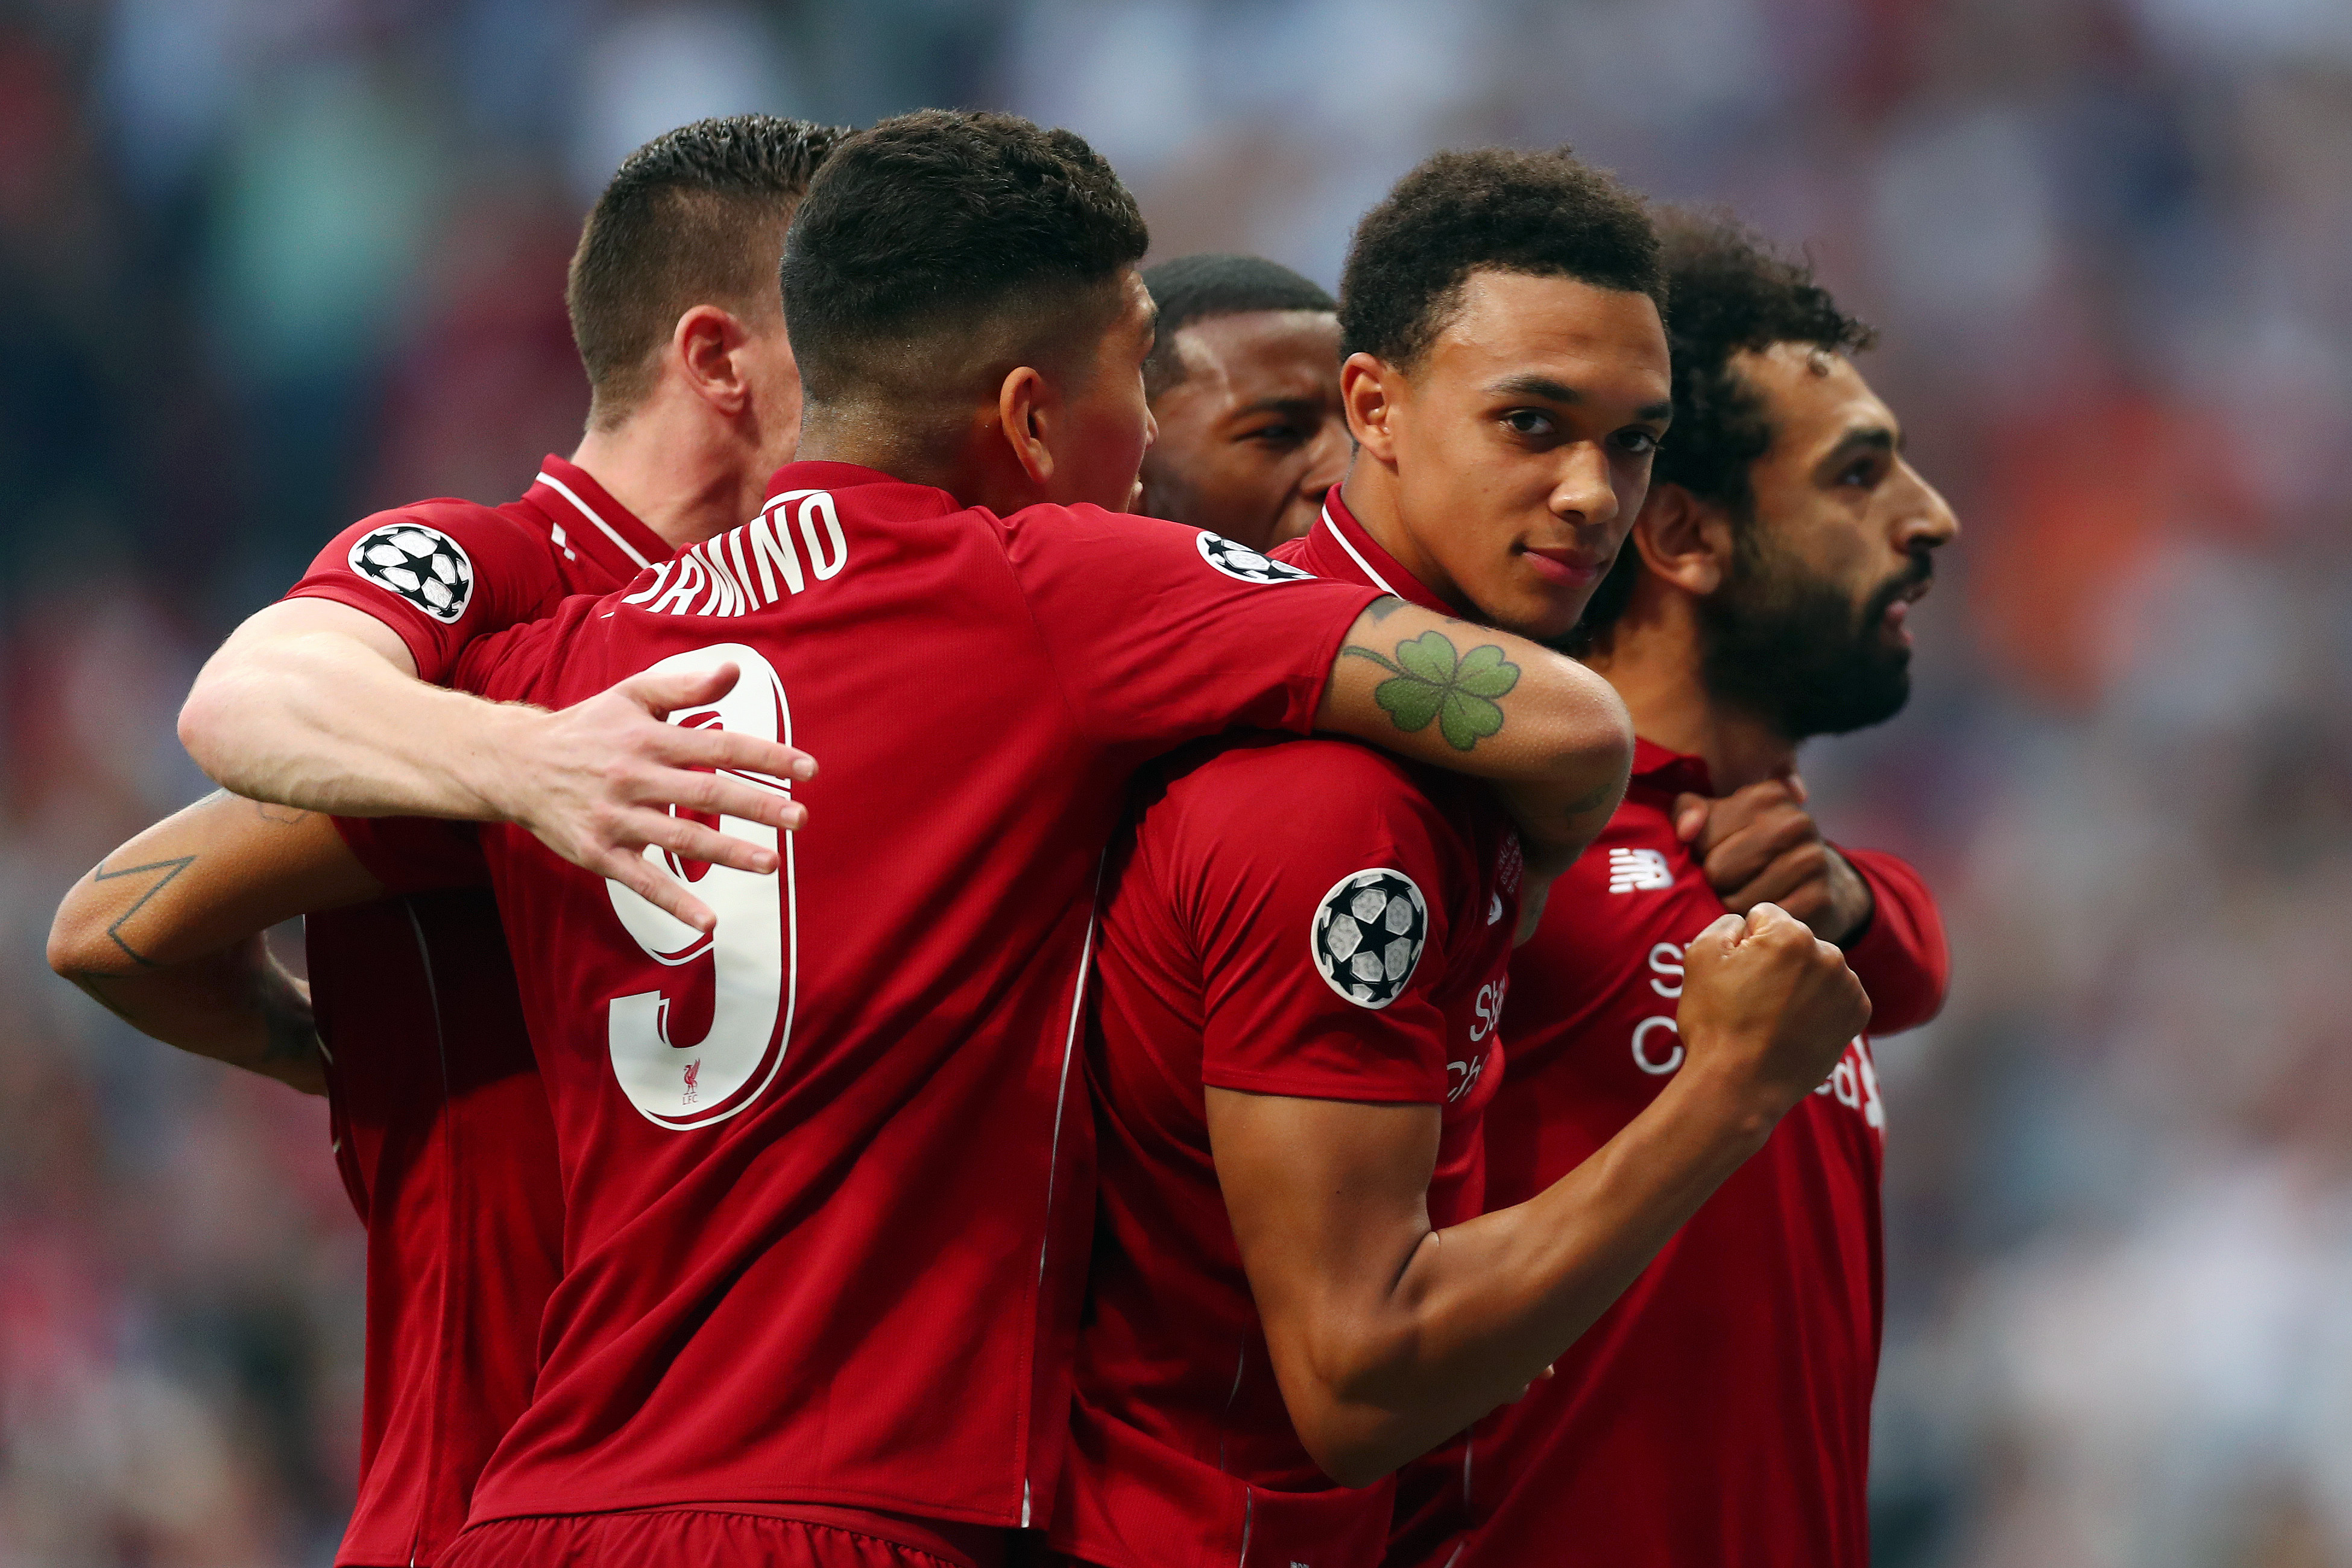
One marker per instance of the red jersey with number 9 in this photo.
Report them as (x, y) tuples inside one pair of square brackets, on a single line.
[(828, 1182)]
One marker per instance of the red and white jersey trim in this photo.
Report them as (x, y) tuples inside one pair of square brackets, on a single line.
[(589, 512)]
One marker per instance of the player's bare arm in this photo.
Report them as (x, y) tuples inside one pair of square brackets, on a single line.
[(1760, 844), (1551, 735), (1389, 1336), (315, 705), (167, 932)]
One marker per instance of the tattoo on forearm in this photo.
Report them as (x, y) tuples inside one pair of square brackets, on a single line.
[(170, 868), (1462, 692)]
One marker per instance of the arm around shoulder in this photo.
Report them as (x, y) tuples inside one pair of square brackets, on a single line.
[(1552, 736)]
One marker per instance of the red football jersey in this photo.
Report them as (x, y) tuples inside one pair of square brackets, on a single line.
[(441, 1128), (1719, 1412), (826, 1201), (1309, 918)]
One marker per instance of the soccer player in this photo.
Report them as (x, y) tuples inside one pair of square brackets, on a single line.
[(1245, 384), (1295, 1291), (440, 1125), (825, 1208), (1719, 1413)]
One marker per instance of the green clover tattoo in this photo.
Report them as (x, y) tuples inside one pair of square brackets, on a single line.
[(1433, 682)]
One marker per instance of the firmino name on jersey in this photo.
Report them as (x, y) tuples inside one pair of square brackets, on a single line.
[(752, 567)]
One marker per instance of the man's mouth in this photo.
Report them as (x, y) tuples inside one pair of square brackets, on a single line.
[(1897, 613), (1563, 567)]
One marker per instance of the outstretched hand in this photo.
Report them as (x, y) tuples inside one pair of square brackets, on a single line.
[(605, 778), (1760, 845)]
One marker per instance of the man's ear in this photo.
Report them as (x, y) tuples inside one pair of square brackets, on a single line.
[(1368, 391), (702, 345), (1026, 411), (1684, 539)]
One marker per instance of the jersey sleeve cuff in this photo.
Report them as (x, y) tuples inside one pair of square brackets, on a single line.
[(1367, 1088), (433, 663), (1303, 721)]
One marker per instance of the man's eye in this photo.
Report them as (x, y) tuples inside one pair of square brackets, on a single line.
[(1861, 470), (1640, 442), (1528, 421), (1277, 435)]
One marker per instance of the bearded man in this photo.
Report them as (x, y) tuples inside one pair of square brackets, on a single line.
[(1719, 1412)]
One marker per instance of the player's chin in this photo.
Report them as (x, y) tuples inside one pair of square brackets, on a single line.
[(1538, 611)]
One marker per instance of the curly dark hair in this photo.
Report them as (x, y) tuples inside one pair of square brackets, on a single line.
[(932, 231), (1199, 287), (1544, 214), (695, 216), (1731, 294)]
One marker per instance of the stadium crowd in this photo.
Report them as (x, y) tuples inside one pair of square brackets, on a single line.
[(251, 251)]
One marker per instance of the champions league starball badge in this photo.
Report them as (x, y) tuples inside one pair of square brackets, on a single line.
[(1240, 560), (423, 566), (1367, 936)]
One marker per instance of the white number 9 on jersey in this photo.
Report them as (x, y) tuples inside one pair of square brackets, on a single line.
[(754, 951)]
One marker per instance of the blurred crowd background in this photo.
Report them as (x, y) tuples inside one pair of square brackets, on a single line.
[(267, 265)]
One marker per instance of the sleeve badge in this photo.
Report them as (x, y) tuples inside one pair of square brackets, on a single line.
[(1238, 560), (424, 566), (1367, 935)]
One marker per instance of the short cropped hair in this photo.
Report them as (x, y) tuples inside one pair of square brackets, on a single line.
[(1732, 294), (1546, 215), (1201, 288), (936, 238), (695, 216)]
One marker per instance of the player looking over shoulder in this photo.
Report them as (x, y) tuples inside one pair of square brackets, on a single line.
[(1244, 385), (1720, 1411), (440, 1125), (1295, 1291)]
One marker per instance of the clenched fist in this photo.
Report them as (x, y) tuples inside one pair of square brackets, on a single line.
[(1767, 1007)]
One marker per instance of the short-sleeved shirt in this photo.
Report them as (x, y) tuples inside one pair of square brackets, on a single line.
[(1719, 1411), (443, 573), (1305, 918), (827, 1176), (440, 1126)]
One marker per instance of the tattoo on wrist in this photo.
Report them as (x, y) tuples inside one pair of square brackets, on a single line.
[(1430, 681)]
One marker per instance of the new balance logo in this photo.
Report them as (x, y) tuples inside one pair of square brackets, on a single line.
[(1638, 871)]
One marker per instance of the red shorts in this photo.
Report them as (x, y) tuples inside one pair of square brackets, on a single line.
[(676, 1538)]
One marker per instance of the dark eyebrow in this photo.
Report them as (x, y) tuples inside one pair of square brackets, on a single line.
[(1862, 438), (1550, 390), (1279, 405), (1535, 386)]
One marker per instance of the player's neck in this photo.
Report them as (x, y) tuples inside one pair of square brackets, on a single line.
[(1653, 660), (964, 457), (675, 474), (1369, 494)]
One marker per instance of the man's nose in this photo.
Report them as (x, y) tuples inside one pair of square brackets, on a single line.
[(1926, 521), (1585, 491)]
